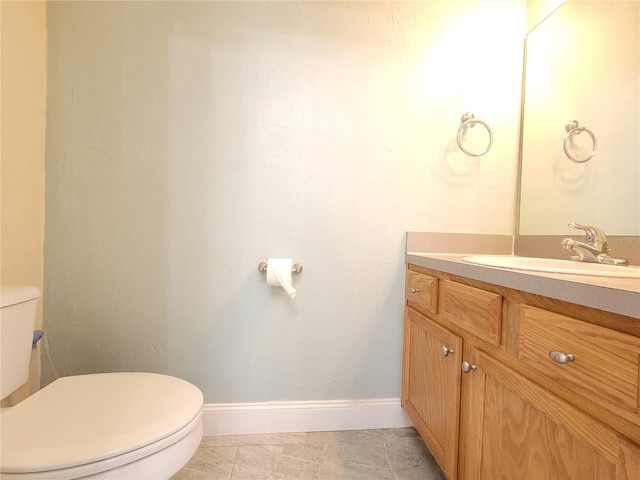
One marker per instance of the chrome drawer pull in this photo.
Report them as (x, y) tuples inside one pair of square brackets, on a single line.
[(467, 367), (414, 290), (560, 357), (446, 351)]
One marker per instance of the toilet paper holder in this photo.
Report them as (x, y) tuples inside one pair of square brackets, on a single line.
[(295, 268)]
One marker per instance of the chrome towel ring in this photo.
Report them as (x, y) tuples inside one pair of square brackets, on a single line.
[(572, 128), (469, 120)]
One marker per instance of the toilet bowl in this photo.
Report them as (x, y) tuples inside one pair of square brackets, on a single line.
[(107, 426), (117, 426)]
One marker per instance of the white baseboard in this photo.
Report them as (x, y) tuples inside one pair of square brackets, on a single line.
[(287, 417)]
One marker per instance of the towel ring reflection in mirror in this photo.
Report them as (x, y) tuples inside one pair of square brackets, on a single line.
[(468, 120), (572, 128)]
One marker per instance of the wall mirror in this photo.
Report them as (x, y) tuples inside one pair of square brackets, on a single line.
[(582, 63)]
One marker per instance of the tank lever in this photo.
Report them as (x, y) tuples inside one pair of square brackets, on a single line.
[(37, 335)]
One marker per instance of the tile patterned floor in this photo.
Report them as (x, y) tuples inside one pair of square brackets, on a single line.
[(393, 454)]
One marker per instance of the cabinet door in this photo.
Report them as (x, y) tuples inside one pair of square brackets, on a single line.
[(431, 386), (513, 428)]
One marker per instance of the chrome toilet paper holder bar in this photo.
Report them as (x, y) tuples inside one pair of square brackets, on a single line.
[(295, 268)]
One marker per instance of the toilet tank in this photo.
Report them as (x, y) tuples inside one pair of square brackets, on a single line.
[(17, 320)]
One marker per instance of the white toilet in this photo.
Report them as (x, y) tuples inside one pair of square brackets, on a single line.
[(121, 426)]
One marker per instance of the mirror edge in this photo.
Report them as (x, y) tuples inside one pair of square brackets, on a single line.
[(537, 11)]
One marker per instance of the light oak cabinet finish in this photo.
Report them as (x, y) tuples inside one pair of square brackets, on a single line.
[(474, 310), (605, 368), (431, 392), (422, 291), (518, 430), (518, 413)]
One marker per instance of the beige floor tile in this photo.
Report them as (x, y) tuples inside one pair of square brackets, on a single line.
[(409, 459), (209, 463), (256, 461), (296, 468), (346, 470), (372, 454), (307, 451), (263, 439), (346, 436), (386, 454)]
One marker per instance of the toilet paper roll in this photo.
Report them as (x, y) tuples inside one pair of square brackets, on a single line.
[(279, 274)]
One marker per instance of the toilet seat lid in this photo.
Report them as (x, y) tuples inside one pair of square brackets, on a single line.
[(88, 418)]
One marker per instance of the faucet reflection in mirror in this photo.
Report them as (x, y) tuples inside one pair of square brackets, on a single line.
[(594, 249)]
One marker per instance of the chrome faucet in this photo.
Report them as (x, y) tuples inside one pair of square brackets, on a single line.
[(594, 249)]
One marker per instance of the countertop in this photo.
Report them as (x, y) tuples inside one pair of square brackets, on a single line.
[(617, 295)]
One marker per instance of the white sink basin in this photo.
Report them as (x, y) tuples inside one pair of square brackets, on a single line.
[(554, 266)]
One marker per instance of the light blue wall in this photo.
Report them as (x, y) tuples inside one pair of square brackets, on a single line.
[(188, 141)]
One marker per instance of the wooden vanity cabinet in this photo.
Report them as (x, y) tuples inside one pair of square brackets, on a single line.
[(488, 400), (431, 386), (513, 428)]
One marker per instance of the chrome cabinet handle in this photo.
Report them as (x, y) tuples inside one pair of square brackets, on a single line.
[(467, 367), (414, 290), (560, 357), (446, 351)]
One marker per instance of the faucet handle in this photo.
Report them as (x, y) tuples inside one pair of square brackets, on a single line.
[(594, 234)]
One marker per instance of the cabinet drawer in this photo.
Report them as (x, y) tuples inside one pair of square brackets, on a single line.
[(422, 290), (603, 365), (475, 310)]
